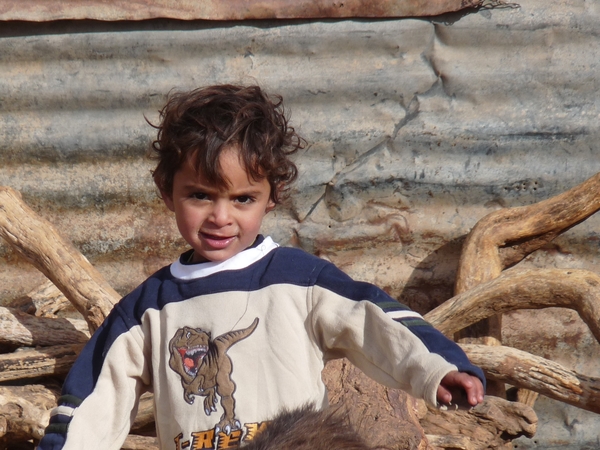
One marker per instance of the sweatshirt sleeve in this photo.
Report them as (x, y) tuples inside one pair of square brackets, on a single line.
[(101, 392), (385, 339)]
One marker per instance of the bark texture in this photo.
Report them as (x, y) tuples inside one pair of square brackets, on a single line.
[(492, 424)]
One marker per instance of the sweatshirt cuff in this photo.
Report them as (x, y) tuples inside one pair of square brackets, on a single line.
[(432, 384)]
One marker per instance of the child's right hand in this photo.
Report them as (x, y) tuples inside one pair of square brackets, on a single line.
[(456, 384)]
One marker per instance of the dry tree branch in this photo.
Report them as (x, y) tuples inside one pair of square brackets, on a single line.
[(523, 289), (40, 244), (524, 370), (19, 329), (34, 363), (506, 236)]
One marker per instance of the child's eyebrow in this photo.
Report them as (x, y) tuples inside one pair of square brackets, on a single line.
[(199, 186), (249, 191)]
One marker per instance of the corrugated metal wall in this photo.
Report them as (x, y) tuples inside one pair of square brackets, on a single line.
[(418, 128)]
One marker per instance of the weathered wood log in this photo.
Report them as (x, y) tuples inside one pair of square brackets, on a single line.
[(524, 370), (135, 442), (452, 442), (18, 329), (38, 242), (491, 424), (385, 418), (45, 300), (523, 289), (34, 363), (24, 412)]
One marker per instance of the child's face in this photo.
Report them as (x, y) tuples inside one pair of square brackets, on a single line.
[(219, 223)]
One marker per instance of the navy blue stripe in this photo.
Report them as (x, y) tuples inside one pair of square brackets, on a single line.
[(53, 440), (60, 419)]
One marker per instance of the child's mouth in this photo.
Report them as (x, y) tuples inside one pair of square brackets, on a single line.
[(217, 242)]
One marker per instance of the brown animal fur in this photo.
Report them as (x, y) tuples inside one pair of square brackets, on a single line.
[(307, 429)]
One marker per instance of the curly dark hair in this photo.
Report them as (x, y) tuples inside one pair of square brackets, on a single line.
[(196, 126)]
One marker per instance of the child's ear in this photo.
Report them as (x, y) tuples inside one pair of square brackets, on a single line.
[(270, 206), (168, 199)]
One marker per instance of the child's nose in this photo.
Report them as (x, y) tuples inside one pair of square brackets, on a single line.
[(221, 214)]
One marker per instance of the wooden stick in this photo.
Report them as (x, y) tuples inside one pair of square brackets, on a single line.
[(44, 300), (524, 370), (56, 360), (135, 442), (24, 412), (39, 243), (18, 329)]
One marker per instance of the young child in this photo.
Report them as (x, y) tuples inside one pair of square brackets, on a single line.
[(239, 328)]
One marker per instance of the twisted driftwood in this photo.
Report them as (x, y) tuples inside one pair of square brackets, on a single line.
[(523, 289), (527, 289), (504, 237)]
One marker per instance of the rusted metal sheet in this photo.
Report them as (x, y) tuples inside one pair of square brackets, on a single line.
[(45, 10)]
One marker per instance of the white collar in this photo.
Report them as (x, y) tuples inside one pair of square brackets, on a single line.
[(236, 262)]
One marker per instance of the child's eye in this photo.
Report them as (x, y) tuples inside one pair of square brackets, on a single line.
[(200, 196), (244, 199)]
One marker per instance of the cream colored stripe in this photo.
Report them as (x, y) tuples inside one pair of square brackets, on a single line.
[(63, 411)]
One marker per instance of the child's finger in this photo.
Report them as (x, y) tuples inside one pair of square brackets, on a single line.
[(444, 396), (474, 390)]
